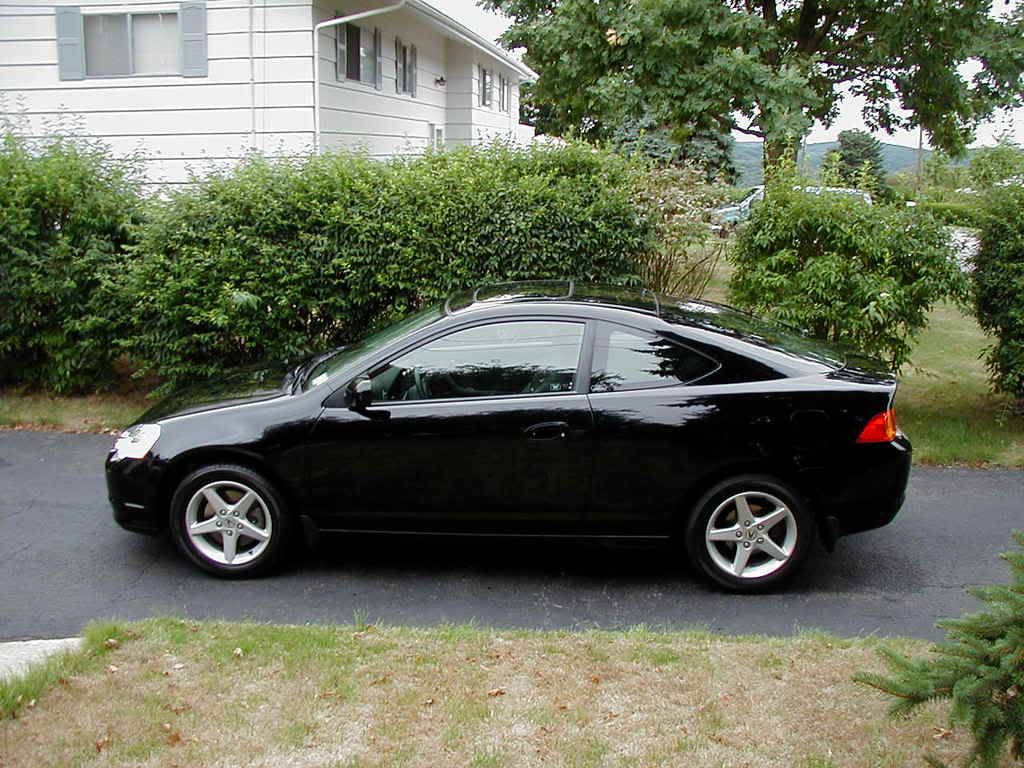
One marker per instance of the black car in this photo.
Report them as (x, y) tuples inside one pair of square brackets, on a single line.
[(531, 409)]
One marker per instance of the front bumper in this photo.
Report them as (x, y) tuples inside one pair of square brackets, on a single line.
[(132, 486)]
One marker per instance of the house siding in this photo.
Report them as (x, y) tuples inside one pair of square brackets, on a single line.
[(180, 125), (173, 124)]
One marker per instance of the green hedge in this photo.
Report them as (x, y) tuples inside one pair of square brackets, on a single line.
[(956, 214), (859, 275), (999, 288), (276, 259), (66, 212)]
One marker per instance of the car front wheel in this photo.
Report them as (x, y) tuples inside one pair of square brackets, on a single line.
[(229, 521), (749, 533)]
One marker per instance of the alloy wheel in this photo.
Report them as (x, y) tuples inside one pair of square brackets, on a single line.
[(228, 523), (751, 535)]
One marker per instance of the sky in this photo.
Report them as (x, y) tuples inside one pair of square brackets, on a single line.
[(492, 24)]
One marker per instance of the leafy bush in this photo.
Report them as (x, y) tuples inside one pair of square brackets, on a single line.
[(999, 288), (677, 200), (66, 211), (958, 214), (274, 259), (981, 670), (859, 275)]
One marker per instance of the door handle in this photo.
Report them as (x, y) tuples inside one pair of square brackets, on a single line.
[(548, 430)]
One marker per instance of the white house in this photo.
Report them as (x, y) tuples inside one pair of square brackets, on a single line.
[(193, 84)]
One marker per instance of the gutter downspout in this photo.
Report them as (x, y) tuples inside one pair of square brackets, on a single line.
[(252, 75), (316, 58)]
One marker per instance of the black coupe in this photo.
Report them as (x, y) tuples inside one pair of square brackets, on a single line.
[(531, 409)]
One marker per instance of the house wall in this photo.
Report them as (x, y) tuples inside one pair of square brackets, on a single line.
[(383, 123), (177, 124), (173, 123)]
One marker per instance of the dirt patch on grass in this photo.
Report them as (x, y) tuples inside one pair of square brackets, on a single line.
[(215, 694)]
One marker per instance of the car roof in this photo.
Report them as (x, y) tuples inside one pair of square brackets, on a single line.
[(698, 314), (549, 291)]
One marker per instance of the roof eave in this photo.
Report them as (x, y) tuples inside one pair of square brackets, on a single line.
[(472, 38)]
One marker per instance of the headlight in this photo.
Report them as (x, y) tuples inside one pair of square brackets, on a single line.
[(135, 442)]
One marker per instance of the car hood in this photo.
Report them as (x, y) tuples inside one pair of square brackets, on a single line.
[(242, 385)]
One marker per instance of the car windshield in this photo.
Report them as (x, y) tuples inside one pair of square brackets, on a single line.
[(343, 356)]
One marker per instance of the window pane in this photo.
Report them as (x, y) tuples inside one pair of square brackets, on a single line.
[(106, 44), (628, 360), (367, 56), (155, 47), (352, 52), (519, 358)]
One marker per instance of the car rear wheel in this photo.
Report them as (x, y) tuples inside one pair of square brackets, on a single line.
[(749, 533), (229, 521)]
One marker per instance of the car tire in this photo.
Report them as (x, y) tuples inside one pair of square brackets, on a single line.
[(230, 521), (750, 533)]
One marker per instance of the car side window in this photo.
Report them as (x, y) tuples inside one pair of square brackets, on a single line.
[(509, 358), (629, 359)]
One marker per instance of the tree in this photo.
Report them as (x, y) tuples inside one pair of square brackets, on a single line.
[(709, 151), (770, 68), (990, 165), (860, 152), (981, 669)]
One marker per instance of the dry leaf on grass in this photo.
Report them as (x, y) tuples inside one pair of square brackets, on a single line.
[(103, 743), (111, 642), (238, 653), (496, 692), (941, 733), (112, 668)]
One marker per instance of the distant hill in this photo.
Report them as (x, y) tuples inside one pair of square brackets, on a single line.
[(746, 155)]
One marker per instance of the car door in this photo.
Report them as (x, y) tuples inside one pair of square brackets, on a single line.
[(650, 428), (481, 429)]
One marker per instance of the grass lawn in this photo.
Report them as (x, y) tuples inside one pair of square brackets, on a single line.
[(174, 693), (92, 413)]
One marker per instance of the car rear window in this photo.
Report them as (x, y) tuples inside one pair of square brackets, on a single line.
[(753, 330), (625, 358)]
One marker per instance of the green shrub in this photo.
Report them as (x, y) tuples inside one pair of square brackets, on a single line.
[(859, 275), (678, 201), (956, 214), (66, 210), (999, 288), (275, 259)]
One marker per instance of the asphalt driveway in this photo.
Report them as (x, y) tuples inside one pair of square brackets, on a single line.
[(63, 561)]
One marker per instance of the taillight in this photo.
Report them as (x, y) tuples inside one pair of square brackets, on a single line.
[(881, 428)]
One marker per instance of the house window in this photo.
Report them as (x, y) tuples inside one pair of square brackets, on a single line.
[(359, 54), (435, 136), (118, 44), (405, 67), (486, 79), (504, 93)]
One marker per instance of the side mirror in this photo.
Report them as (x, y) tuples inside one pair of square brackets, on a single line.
[(360, 394)]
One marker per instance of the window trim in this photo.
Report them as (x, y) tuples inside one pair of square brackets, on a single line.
[(176, 11), (485, 76), (504, 93), (582, 359), (651, 334), (341, 44)]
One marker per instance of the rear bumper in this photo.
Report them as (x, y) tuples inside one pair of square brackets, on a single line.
[(869, 489), (131, 489)]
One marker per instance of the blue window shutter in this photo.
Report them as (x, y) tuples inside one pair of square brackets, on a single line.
[(70, 45), (340, 51), (412, 71), (399, 67), (193, 39), (378, 51)]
